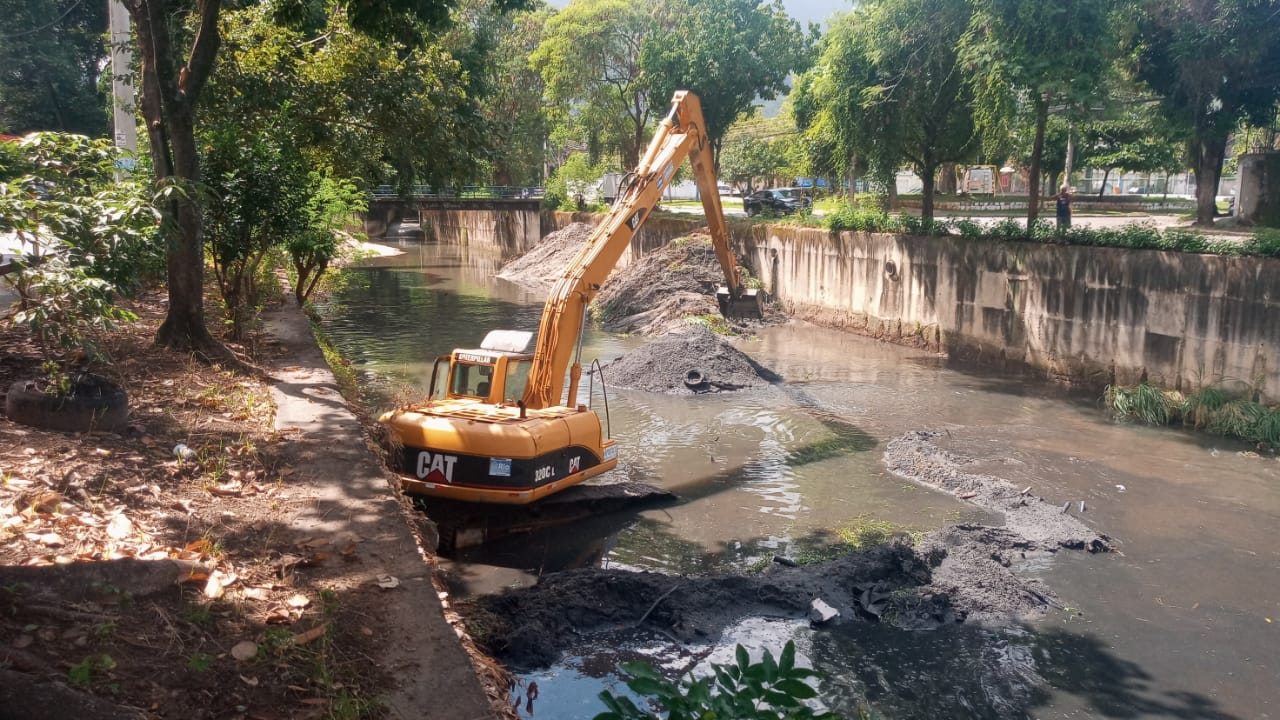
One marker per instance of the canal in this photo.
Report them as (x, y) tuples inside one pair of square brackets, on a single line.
[(1183, 621)]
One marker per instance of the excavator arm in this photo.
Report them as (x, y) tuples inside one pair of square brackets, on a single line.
[(681, 134)]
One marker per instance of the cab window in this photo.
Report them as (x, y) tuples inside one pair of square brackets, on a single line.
[(517, 378), (471, 379)]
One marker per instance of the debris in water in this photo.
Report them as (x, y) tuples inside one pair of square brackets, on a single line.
[(1121, 488), (1081, 506), (1066, 505), (1026, 490), (821, 613)]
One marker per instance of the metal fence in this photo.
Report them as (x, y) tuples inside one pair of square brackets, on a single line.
[(471, 192)]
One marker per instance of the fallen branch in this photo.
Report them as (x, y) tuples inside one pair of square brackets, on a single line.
[(65, 614), (661, 597)]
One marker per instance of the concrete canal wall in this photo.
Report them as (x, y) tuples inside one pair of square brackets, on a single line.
[(1087, 315)]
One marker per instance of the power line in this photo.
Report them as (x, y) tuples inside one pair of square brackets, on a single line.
[(42, 28)]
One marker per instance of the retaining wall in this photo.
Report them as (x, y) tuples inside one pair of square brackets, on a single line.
[(1088, 315)]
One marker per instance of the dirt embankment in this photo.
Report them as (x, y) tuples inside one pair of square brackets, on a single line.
[(651, 296), (539, 268), (961, 573)]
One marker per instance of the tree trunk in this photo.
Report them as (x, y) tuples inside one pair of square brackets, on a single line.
[(1102, 189), (926, 187), (947, 183), (1207, 152), (853, 177), (169, 95), (1037, 150)]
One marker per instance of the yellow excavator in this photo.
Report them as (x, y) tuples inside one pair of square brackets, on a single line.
[(497, 425)]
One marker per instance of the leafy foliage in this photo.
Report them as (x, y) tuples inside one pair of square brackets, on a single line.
[(891, 93), (1211, 64), (590, 65), (1035, 55), (314, 245), (52, 53), (728, 52), (744, 690), (84, 238)]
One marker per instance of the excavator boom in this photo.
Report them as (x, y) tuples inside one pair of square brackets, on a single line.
[(501, 428), (682, 133)]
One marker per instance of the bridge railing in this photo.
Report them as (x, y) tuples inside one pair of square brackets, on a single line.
[(472, 192)]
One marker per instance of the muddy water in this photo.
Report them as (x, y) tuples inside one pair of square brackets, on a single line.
[(1176, 625)]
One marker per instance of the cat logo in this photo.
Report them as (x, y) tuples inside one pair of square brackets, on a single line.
[(436, 468), (575, 464)]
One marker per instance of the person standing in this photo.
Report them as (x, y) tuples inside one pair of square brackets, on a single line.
[(1064, 207)]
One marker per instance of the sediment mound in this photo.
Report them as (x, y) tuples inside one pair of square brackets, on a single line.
[(654, 293), (539, 268), (688, 360), (960, 573), (648, 297), (916, 456)]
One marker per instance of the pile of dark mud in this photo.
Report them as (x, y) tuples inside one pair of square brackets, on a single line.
[(961, 573), (688, 360), (539, 268)]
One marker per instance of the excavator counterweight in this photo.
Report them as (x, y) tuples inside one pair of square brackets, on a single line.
[(499, 424)]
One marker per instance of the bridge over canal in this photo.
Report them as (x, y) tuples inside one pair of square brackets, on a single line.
[(504, 216)]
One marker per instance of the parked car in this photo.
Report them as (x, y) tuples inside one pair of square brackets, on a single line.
[(781, 201), (724, 189)]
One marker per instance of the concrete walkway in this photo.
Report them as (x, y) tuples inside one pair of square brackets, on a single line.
[(350, 500)]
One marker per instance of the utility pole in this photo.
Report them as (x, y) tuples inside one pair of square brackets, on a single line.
[(122, 109), (1071, 149)]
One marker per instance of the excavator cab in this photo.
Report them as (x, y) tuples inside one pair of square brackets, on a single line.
[(496, 372)]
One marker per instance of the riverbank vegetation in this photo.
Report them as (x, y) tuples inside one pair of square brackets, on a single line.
[(1263, 242), (1211, 409)]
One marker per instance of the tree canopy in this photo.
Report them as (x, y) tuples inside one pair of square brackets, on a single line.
[(1041, 55), (52, 52), (728, 52), (1212, 64)]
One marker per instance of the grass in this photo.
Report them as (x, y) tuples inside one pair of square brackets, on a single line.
[(859, 534), (1212, 409)]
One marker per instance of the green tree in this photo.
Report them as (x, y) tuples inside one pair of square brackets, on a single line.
[(52, 52), (757, 147), (589, 60), (1213, 63), (513, 109), (1138, 140), (178, 43), (1039, 55), (728, 52), (919, 104), (828, 103)]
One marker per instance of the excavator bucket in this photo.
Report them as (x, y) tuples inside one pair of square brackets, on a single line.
[(749, 303)]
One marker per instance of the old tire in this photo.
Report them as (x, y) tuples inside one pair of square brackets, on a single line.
[(94, 403), (695, 380)]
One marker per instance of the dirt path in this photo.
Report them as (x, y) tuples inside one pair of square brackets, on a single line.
[(349, 500)]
